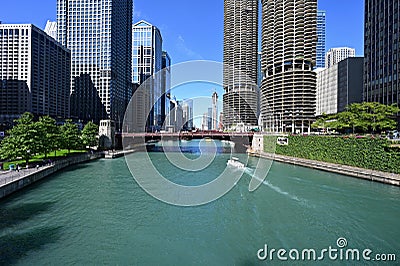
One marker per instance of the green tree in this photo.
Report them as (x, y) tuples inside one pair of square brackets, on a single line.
[(23, 139), (50, 134), (70, 136), (89, 134)]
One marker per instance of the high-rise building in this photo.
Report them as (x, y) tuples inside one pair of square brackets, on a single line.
[(99, 35), (240, 62), (335, 55), (321, 33), (147, 61), (187, 107), (289, 40), (382, 50), (51, 29), (215, 111), (339, 86), (166, 87), (209, 118), (34, 73)]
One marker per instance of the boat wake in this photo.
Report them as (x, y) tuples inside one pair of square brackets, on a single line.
[(250, 172)]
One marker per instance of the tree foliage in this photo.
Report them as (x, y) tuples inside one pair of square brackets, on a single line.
[(28, 138), (361, 117), (70, 136), (89, 134), (23, 139)]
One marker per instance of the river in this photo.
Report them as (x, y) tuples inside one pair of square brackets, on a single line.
[(96, 213)]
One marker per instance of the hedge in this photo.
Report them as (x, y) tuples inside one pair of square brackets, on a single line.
[(368, 153)]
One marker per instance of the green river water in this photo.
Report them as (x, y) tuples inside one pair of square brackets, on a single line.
[(96, 213)]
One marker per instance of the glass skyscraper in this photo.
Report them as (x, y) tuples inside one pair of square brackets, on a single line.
[(147, 60), (321, 34), (99, 35), (382, 51)]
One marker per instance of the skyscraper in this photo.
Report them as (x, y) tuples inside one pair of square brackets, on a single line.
[(215, 111), (166, 87), (321, 33), (382, 49), (240, 62), (51, 29), (289, 40), (147, 60), (99, 35), (335, 55), (34, 73)]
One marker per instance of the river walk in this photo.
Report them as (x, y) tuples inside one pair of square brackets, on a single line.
[(11, 181), (378, 176)]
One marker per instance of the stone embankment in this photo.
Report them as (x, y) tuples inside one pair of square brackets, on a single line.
[(13, 181)]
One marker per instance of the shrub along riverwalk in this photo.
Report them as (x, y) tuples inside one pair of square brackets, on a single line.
[(363, 152), (366, 157)]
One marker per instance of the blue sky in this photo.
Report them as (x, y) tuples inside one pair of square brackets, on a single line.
[(193, 30)]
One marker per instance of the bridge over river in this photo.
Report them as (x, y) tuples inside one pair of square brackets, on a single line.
[(242, 140)]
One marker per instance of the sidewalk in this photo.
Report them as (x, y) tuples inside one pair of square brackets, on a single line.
[(7, 177), (378, 176)]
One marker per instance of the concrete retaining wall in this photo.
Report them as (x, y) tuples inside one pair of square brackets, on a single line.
[(44, 172), (382, 177)]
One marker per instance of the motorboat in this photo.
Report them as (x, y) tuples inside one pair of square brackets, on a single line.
[(234, 161)]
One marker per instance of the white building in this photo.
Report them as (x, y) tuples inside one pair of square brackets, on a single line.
[(327, 92), (335, 55), (339, 86), (51, 29), (34, 73)]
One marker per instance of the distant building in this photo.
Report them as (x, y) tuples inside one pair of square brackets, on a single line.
[(204, 123), (34, 73), (166, 87), (99, 35), (175, 118), (51, 29), (339, 86), (321, 43), (214, 111), (335, 55), (209, 119), (187, 107), (147, 60), (240, 62)]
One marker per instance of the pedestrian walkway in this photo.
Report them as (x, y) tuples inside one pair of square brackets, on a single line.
[(7, 177)]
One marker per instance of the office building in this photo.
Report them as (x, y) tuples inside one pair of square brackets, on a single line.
[(339, 86), (289, 40), (240, 62), (147, 62), (34, 73), (187, 108), (335, 55), (321, 34), (99, 35), (214, 111), (382, 50), (51, 29), (165, 87)]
